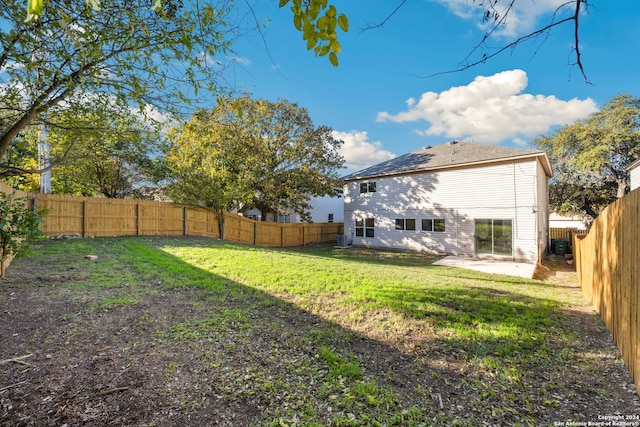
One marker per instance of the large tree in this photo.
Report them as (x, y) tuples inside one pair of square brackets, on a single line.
[(590, 157), (249, 153), (128, 49), (114, 151)]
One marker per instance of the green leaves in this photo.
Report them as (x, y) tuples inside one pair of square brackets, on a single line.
[(19, 225), (253, 153), (34, 10), (124, 48), (318, 23), (590, 157)]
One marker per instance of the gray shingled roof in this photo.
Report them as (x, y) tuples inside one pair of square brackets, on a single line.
[(451, 154)]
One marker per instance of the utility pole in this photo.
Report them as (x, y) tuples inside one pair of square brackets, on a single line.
[(43, 145), (43, 160)]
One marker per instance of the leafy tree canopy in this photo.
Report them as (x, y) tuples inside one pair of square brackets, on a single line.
[(591, 157), (128, 50), (249, 153), (19, 226), (100, 147)]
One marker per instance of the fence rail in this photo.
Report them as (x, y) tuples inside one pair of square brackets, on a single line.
[(608, 267), (90, 216)]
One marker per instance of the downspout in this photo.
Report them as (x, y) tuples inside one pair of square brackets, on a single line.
[(515, 206), (457, 241)]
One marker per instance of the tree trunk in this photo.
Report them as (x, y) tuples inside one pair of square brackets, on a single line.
[(622, 187), (586, 206)]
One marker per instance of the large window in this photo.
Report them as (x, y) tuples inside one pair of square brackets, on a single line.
[(433, 224), (405, 224), (368, 187), (494, 236), (365, 227)]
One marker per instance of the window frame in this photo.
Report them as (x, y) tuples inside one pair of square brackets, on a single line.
[(405, 224), (365, 227), (435, 225), (368, 187)]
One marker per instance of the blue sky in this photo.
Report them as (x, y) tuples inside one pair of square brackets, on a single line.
[(379, 102)]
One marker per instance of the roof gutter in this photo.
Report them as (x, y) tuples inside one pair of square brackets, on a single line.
[(544, 160)]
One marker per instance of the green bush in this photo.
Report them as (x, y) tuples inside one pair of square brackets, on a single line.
[(19, 225)]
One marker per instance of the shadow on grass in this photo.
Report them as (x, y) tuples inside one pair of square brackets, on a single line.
[(240, 356)]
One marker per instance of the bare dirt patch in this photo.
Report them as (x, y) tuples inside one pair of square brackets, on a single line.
[(78, 354)]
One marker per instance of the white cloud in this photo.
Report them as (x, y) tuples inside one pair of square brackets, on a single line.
[(523, 17), (490, 110), (360, 153)]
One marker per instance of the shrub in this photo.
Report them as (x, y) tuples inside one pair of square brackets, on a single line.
[(19, 226)]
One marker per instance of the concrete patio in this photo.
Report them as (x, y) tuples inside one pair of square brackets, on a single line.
[(492, 266)]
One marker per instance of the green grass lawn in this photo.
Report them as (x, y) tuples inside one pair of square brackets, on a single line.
[(345, 337)]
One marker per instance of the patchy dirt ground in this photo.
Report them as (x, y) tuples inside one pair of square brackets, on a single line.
[(74, 355)]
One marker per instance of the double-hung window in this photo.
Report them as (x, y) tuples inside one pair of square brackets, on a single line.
[(368, 187), (405, 224), (365, 227), (433, 224)]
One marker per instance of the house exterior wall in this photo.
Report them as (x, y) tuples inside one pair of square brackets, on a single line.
[(542, 207), (321, 207), (634, 176), (560, 221), (514, 190)]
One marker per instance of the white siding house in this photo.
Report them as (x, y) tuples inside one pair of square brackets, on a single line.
[(457, 198), (634, 175), (323, 209), (563, 221)]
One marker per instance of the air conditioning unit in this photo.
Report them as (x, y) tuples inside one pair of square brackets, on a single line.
[(343, 242)]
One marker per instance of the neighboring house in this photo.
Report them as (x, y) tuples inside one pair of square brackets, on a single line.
[(327, 209), (562, 221), (323, 209), (457, 198), (634, 174)]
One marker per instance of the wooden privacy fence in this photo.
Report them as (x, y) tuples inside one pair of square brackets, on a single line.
[(608, 267), (565, 233), (90, 216)]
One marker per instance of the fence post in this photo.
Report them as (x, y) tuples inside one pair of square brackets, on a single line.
[(281, 236), (85, 218), (184, 221), (255, 233)]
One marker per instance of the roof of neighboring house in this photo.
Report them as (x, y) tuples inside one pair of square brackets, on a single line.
[(450, 155), (633, 165)]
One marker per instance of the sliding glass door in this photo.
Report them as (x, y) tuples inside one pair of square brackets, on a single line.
[(494, 236)]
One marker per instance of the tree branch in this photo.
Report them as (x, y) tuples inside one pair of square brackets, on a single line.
[(511, 45), (384, 21), (500, 19)]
